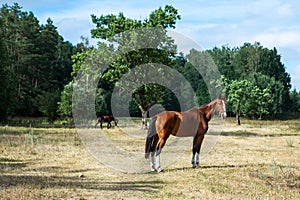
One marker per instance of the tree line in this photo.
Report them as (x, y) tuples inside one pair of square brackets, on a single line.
[(38, 68), (35, 64), (255, 80)]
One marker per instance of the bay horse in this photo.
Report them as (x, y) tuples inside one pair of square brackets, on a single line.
[(191, 123), (106, 118)]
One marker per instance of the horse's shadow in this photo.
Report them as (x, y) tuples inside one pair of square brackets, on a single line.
[(205, 167)]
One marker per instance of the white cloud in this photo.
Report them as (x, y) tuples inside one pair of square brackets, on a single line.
[(281, 38), (285, 10), (74, 21), (284, 39), (68, 26)]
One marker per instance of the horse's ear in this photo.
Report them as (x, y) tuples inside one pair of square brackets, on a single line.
[(222, 96)]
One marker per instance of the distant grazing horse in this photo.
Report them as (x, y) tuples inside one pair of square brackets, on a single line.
[(193, 122), (106, 118)]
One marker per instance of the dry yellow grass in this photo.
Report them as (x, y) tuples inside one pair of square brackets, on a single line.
[(258, 160)]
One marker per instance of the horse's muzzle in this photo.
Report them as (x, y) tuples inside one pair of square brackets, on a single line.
[(223, 115)]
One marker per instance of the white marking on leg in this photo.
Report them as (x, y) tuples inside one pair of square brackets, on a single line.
[(152, 164), (158, 167), (197, 160), (193, 160)]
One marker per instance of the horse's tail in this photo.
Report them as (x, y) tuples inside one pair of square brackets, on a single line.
[(150, 137), (97, 121)]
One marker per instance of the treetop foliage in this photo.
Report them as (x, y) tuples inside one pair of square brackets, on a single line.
[(110, 25)]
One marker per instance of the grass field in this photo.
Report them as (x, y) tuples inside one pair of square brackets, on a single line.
[(257, 160)]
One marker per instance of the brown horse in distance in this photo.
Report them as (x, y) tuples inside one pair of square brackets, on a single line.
[(106, 118), (191, 123)]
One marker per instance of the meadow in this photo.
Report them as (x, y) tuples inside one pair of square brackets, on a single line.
[(257, 160)]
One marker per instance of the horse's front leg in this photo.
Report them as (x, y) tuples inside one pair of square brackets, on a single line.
[(108, 125), (195, 159), (101, 125), (198, 139)]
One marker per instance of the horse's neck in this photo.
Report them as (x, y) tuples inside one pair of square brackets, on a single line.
[(208, 110)]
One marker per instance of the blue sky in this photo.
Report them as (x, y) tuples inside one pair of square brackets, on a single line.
[(273, 23)]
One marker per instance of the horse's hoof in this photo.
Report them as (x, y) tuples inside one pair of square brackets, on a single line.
[(196, 166), (159, 170), (153, 169)]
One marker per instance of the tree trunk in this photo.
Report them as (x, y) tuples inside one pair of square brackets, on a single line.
[(260, 116), (144, 119), (238, 122)]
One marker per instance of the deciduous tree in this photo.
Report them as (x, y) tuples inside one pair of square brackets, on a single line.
[(114, 27)]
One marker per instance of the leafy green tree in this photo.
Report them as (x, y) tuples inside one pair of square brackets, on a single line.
[(246, 97), (258, 101), (224, 59), (100, 104), (65, 104), (259, 65), (196, 81), (48, 104), (203, 72), (20, 30), (247, 59), (272, 66), (79, 53), (295, 101), (134, 110), (37, 61), (237, 96), (275, 89), (113, 28), (252, 59), (8, 92)]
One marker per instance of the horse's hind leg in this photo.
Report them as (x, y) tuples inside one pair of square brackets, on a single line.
[(152, 161), (153, 146), (108, 125), (160, 145), (157, 155)]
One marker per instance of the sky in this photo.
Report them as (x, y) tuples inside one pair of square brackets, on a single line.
[(273, 23)]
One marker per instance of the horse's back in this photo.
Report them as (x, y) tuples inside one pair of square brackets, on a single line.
[(107, 118), (181, 124)]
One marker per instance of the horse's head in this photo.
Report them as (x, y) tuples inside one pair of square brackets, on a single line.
[(221, 107)]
